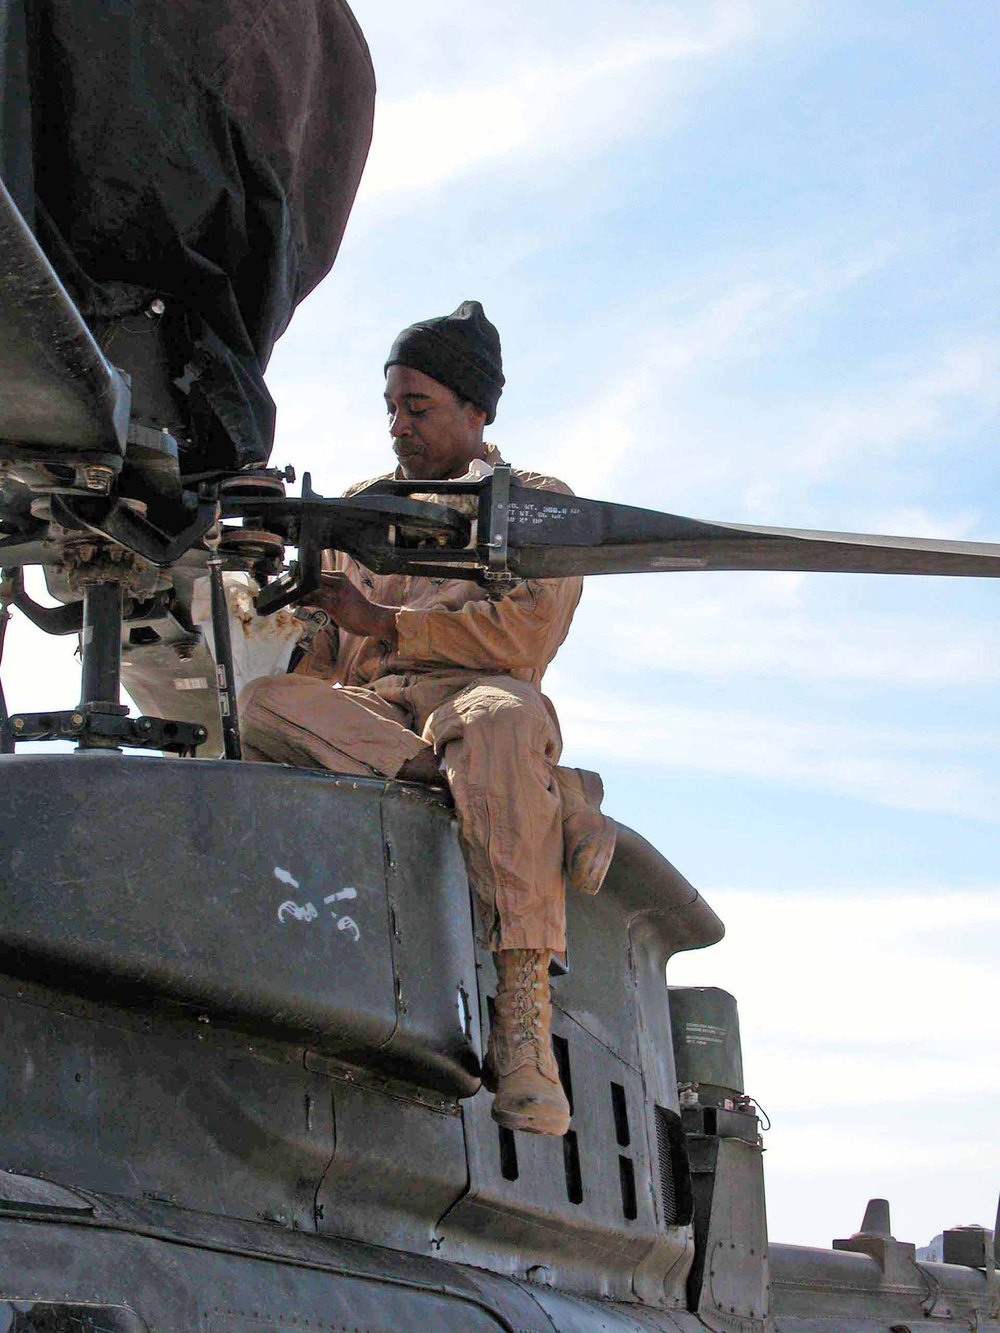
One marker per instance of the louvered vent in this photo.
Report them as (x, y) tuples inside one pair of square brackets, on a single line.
[(675, 1174), (667, 1191)]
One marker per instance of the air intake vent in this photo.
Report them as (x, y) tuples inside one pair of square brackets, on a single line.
[(667, 1192), (675, 1174)]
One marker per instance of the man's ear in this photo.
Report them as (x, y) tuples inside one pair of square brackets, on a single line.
[(476, 417)]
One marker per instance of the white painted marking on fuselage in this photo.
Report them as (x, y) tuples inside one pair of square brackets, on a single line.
[(305, 912), (342, 895), (345, 923)]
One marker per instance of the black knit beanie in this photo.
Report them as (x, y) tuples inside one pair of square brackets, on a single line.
[(460, 350)]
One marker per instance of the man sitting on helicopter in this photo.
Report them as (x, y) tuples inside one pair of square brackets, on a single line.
[(422, 677)]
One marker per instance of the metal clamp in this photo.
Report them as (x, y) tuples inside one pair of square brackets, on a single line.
[(493, 552), (304, 575), (104, 729), (314, 620), (499, 520)]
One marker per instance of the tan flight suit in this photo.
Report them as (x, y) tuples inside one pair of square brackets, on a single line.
[(464, 679)]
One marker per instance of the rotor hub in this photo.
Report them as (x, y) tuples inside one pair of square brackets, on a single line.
[(87, 562)]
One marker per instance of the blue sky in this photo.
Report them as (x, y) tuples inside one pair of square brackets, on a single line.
[(743, 259)]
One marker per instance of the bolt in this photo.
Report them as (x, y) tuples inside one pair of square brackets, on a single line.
[(155, 308), (200, 733), (17, 723), (76, 719)]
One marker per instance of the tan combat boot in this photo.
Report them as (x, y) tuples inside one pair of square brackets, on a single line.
[(520, 1067), (588, 836)]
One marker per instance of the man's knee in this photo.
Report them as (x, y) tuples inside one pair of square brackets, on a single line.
[(268, 703), (253, 705), (248, 703), (260, 695), (494, 710)]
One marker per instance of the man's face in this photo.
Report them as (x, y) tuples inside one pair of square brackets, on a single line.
[(434, 434)]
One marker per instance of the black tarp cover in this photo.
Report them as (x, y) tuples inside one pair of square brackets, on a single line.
[(206, 152)]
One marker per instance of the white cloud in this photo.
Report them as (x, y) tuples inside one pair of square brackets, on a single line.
[(630, 418), (655, 428), (864, 1022), (583, 101), (782, 625), (914, 769), (855, 960), (912, 407), (805, 1148), (651, 410), (917, 521)]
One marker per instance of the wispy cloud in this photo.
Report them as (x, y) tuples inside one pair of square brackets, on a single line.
[(580, 102), (631, 417), (785, 626), (914, 406), (910, 769), (654, 401), (671, 416)]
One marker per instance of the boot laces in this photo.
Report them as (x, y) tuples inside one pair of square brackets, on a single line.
[(527, 1005)]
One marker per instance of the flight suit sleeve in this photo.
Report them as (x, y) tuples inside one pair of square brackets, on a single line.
[(522, 629)]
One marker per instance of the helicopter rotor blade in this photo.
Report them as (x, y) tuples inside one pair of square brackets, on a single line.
[(551, 535), (548, 534)]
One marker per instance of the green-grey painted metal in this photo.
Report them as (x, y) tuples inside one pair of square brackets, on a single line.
[(56, 389), (224, 1116), (706, 1034)]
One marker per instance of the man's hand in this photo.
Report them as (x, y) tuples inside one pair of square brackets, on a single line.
[(351, 609)]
